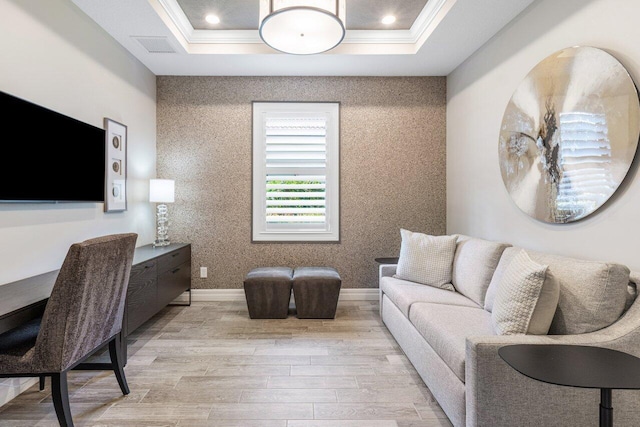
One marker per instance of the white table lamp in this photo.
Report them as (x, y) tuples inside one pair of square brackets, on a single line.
[(162, 191)]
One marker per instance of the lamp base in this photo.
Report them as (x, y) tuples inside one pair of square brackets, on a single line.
[(162, 226)]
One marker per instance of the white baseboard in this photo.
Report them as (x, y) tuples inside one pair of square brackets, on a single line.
[(217, 295), (349, 294), (352, 294)]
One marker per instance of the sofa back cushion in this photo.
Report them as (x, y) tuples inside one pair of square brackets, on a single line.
[(592, 294), (474, 263)]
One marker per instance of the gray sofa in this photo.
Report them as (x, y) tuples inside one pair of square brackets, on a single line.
[(449, 339)]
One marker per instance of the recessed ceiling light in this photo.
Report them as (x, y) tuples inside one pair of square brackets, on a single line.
[(213, 19), (388, 20)]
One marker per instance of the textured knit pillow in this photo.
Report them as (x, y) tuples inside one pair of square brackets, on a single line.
[(426, 259), (524, 304)]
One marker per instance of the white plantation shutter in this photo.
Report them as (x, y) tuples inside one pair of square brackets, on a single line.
[(295, 181), (296, 163)]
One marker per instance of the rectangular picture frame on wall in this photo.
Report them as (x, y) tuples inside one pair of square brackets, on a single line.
[(116, 166)]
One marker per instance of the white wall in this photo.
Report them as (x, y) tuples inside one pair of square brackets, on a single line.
[(478, 92), (55, 56)]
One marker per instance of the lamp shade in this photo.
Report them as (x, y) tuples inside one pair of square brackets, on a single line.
[(162, 190), (302, 27)]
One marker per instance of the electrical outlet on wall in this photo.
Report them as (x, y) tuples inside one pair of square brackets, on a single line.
[(203, 272)]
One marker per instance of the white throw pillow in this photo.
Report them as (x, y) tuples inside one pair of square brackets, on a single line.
[(526, 298), (426, 259)]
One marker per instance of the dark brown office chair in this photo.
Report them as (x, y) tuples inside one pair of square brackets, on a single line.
[(83, 314)]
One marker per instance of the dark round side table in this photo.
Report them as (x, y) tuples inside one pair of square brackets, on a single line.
[(577, 366), (390, 260)]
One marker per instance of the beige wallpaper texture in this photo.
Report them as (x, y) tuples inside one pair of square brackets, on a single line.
[(392, 163)]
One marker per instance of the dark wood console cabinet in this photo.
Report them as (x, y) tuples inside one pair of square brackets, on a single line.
[(158, 276)]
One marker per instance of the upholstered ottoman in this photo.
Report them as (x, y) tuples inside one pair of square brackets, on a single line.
[(316, 291), (268, 291)]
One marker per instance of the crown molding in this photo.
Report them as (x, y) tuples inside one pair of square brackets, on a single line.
[(224, 36), (429, 17), (178, 17)]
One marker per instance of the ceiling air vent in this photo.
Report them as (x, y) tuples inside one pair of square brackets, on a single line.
[(155, 44)]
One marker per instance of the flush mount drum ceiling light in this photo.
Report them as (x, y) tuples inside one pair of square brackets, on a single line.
[(302, 27)]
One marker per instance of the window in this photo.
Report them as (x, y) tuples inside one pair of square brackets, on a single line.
[(296, 171)]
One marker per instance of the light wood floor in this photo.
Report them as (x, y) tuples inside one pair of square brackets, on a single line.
[(210, 365)]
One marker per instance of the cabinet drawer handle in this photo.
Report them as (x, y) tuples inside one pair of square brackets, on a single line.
[(175, 255), (147, 266), (175, 271)]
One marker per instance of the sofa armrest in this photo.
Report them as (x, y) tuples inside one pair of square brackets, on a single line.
[(387, 270), (496, 394), (634, 277)]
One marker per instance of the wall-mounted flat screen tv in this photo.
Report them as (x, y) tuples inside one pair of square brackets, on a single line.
[(47, 156)]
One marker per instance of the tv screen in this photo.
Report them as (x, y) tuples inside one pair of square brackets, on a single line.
[(47, 156)]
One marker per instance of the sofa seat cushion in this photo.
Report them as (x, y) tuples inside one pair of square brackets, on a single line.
[(404, 293), (446, 328)]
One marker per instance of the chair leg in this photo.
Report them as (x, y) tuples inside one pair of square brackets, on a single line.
[(60, 394), (115, 351), (41, 382)]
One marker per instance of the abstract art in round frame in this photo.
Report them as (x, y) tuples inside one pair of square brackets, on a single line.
[(569, 135)]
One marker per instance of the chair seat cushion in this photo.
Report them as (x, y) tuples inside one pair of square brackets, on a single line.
[(404, 293), (446, 328), (320, 275), (15, 346), (261, 274)]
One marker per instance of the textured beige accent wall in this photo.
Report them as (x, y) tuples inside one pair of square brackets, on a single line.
[(392, 169)]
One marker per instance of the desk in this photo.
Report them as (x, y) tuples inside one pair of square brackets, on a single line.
[(24, 300), (577, 366), (167, 274)]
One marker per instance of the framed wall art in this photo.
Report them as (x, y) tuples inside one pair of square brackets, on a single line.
[(116, 166)]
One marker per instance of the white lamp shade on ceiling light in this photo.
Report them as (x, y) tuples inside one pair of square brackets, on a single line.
[(161, 191), (302, 27)]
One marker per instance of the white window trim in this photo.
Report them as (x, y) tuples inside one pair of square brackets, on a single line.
[(332, 232)]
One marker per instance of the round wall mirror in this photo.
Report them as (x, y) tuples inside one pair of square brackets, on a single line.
[(569, 135)]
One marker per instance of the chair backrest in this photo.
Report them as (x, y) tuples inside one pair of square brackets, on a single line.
[(87, 302)]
